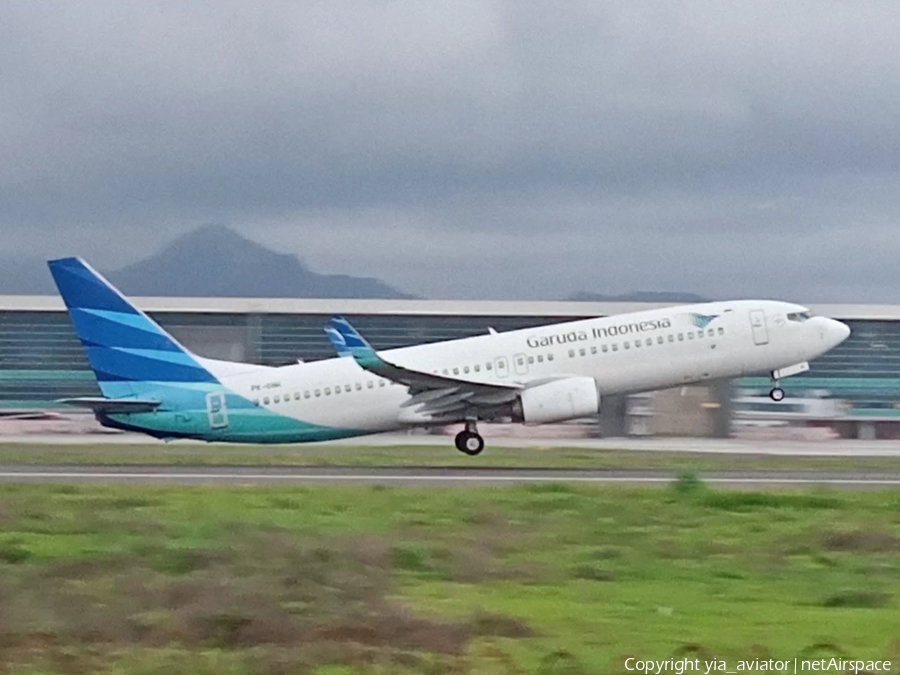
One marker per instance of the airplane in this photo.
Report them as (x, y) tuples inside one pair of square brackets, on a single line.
[(152, 384)]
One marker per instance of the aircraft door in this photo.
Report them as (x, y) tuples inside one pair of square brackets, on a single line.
[(758, 327), (216, 411), (520, 362), (501, 366)]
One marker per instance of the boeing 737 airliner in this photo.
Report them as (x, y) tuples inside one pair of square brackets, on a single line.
[(151, 384)]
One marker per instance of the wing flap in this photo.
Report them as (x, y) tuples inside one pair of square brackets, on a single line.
[(111, 405)]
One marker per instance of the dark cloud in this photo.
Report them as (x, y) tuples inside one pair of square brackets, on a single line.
[(467, 149)]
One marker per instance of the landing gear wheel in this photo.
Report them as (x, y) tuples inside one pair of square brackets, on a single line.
[(777, 394), (469, 443)]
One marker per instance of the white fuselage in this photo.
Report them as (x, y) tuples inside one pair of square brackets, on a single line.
[(648, 350)]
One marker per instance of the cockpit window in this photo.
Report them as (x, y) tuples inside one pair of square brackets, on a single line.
[(799, 316)]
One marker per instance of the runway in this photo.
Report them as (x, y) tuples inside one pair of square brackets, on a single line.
[(436, 477), (712, 446)]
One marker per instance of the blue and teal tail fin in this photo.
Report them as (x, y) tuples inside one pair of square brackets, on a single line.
[(128, 351)]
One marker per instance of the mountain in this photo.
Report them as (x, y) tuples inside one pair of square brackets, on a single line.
[(638, 296), (208, 262), (212, 261), (215, 261)]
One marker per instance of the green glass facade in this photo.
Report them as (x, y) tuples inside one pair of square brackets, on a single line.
[(41, 359)]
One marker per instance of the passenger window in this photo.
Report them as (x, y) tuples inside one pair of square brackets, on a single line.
[(626, 344), (337, 389), (637, 344), (477, 368), (581, 352), (256, 401), (699, 334), (358, 386), (488, 365), (456, 371), (346, 387), (540, 358), (659, 340), (445, 371), (681, 337), (530, 359), (296, 395), (549, 357), (318, 393), (277, 399), (466, 369), (571, 353), (721, 331), (690, 335), (370, 384), (593, 349), (381, 383), (266, 400), (671, 338), (649, 342), (604, 348), (328, 391), (306, 394), (615, 346)]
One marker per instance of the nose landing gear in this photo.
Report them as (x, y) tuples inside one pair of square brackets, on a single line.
[(776, 393), (469, 441)]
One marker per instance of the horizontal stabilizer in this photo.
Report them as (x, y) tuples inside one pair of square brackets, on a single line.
[(111, 405), (29, 415)]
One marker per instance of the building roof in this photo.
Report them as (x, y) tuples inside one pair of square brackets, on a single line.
[(324, 306)]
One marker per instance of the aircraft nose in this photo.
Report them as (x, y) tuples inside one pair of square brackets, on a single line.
[(838, 331)]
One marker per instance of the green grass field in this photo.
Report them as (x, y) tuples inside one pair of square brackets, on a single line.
[(159, 454), (543, 579)]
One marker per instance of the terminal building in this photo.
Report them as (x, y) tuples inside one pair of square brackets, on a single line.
[(853, 391)]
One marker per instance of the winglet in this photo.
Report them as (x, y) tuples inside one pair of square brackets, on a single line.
[(356, 344), (337, 341)]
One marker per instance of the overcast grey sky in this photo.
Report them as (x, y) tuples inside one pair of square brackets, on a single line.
[(468, 149)]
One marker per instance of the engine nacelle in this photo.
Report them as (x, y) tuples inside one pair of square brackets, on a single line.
[(557, 401)]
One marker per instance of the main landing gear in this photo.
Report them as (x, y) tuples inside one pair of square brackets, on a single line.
[(469, 441)]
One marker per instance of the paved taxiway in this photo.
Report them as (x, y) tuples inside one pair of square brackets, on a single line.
[(434, 477)]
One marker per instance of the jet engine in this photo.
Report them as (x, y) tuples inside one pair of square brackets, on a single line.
[(557, 401)]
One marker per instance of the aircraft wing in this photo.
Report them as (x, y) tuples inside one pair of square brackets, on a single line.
[(112, 405), (431, 394)]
